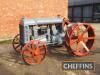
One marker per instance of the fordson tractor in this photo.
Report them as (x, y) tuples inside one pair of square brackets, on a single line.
[(35, 35)]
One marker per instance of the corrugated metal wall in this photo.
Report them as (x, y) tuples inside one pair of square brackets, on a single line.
[(87, 13), (77, 14), (84, 10), (82, 2)]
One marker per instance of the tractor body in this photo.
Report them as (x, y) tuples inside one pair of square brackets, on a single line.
[(38, 33), (44, 29)]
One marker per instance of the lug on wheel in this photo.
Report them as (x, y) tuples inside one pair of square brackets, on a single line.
[(16, 43), (34, 52), (80, 38)]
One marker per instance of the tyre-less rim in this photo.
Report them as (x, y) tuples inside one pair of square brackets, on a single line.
[(81, 39), (34, 52), (16, 43)]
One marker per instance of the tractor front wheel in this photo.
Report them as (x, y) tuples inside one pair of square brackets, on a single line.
[(16, 43), (34, 52)]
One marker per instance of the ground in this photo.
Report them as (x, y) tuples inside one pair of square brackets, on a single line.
[(11, 62)]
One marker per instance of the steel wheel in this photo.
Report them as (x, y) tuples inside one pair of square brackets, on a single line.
[(16, 43), (34, 52), (80, 39)]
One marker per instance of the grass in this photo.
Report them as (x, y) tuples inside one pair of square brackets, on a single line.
[(6, 42)]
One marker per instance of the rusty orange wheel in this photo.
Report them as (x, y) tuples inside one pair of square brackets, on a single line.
[(16, 43), (34, 52), (80, 38)]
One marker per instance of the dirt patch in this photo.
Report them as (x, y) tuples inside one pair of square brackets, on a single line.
[(11, 63)]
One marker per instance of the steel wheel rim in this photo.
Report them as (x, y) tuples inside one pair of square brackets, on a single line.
[(34, 53), (80, 38), (16, 44)]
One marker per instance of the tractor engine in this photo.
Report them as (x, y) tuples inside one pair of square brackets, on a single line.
[(55, 34)]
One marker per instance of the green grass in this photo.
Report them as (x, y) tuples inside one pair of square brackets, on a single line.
[(6, 42)]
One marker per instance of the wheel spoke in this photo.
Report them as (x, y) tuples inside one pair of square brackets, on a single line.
[(37, 51), (85, 30), (40, 53), (28, 48), (17, 46), (29, 60), (16, 42), (89, 38), (73, 41), (78, 47), (41, 47), (84, 45), (38, 58), (78, 31), (33, 46), (27, 54), (40, 50)]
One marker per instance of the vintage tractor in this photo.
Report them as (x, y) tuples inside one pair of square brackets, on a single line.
[(38, 33)]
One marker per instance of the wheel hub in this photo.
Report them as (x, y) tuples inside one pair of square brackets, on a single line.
[(80, 38)]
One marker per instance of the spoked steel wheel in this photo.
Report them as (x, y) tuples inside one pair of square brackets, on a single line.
[(16, 43), (34, 52), (80, 39)]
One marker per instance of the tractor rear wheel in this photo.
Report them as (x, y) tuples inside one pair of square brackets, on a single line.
[(80, 38)]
